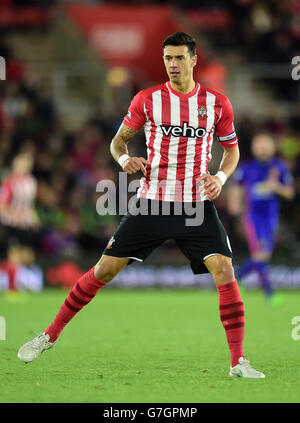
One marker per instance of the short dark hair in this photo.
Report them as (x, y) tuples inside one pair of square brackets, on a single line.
[(181, 39)]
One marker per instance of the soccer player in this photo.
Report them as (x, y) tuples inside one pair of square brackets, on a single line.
[(17, 213), (264, 180), (179, 119), (17, 197)]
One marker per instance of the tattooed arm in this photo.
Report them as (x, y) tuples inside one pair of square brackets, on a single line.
[(118, 147)]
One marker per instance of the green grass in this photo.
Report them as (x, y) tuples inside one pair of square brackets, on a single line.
[(149, 346)]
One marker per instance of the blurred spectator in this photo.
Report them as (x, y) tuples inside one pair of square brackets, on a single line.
[(18, 272)]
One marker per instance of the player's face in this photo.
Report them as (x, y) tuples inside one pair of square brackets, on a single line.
[(263, 147), (22, 165), (179, 63)]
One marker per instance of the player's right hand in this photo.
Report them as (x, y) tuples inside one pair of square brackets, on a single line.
[(212, 186), (134, 164)]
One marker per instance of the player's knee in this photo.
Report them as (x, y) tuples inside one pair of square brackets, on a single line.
[(223, 272), (108, 267), (104, 272)]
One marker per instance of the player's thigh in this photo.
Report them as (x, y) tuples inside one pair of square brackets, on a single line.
[(221, 269), (108, 267)]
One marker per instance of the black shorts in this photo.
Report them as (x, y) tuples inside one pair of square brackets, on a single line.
[(138, 235), (17, 236)]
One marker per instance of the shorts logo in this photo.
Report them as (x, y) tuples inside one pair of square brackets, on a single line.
[(185, 131), (202, 112), (110, 243), (129, 114)]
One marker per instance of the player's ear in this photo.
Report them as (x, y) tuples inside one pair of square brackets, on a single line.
[(194, 60)]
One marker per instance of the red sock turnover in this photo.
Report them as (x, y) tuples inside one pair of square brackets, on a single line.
[(82, 293), (233, 318)]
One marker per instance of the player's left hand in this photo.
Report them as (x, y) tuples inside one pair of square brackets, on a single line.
[(211, 186), (272, 183)]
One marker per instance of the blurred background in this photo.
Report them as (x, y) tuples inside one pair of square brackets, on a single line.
[(72, 68)]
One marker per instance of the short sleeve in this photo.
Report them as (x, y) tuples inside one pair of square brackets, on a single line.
[(225, 128), (136, 116)]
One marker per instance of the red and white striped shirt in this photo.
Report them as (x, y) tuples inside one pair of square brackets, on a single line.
[(17, 197), (179, 131)]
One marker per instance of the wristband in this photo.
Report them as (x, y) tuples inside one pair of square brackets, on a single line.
[(122, 159), (221, 175)]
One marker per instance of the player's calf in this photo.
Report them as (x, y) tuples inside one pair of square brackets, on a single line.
[(81, 294)]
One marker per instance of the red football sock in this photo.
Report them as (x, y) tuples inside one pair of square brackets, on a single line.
[(11, 270), (233, 318), (82, 293)]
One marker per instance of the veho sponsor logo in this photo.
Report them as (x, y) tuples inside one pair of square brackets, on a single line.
[(185, 131)]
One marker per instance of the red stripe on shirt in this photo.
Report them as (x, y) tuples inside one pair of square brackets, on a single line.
[(164, 147), (182, 150)]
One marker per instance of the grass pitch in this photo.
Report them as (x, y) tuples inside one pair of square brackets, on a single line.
[(148, 346)]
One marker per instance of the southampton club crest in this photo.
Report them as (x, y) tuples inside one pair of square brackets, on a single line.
[(202, 112), (110, 243)]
